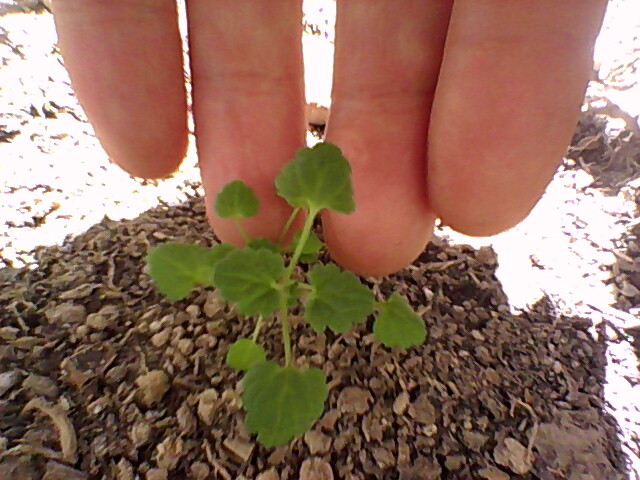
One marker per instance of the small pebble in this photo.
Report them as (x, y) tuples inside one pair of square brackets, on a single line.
[(354, 400), (185, 346), (200, 470), (401, 403), (271, 474), (140, 433), (82, 331), (152, 386), (317, 442), (161, 338), (157, 474), (97, 321), (315, 468), (155, 326), (207, 405)]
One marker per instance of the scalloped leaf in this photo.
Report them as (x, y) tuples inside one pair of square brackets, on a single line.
[(177, 268), (258, 243), (248, 278), (311, 248), (244, 354), (317, 178), (282, 402), (237, 200), (338, 299), (397, 325)]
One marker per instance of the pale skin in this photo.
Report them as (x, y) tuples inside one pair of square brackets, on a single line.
[(459, 110)]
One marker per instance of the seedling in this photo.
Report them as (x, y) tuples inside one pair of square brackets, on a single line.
[(282, 401)]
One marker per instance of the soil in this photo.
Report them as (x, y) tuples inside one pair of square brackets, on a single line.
[(103, 378)]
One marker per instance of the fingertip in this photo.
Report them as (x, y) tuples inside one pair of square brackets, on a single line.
[(476, 223), (373, 246), (152, 156)]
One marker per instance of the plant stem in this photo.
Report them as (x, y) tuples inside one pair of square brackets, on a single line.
[(304, 236), (286, 279), (287, 225), (286, 334), (256, 331), (241, 230)]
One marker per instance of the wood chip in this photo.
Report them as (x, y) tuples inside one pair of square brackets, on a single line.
[(241, 450), (7, 381), (58, 415), (40, 385)]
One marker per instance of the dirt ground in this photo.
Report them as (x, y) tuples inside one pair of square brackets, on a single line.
[(529, 371)]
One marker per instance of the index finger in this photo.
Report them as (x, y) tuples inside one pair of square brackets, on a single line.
[(125, 61)]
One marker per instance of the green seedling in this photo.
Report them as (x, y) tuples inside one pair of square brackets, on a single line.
[(281, 400)]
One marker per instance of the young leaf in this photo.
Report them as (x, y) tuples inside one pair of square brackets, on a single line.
[(258, 243), (312, 245), (282, 402), (248, 278), (244, 354), (398, 325), (308, 258), (237, 200), (176, 268), (318, 177), (293, 293), (338, 299)]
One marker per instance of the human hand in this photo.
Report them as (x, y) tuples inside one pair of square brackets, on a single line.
[(488, 91)]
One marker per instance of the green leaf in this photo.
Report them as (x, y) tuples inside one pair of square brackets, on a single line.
[(258, 243), (312, 245), (244, 354), (338, 299), (308, 258), (293, 293), (282, 402), (317, 178), (176, 268), (249, 278), (310, 249), (398, 325), (237, 200)]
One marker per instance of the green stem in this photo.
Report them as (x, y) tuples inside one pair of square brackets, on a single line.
[(241, 230), (256, 331), (304, 236), (286, 334), (287, 225), (286, 279)]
